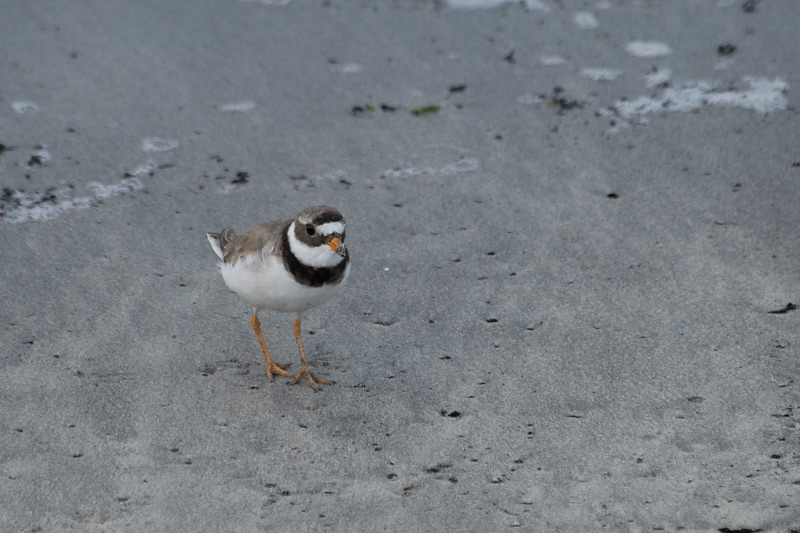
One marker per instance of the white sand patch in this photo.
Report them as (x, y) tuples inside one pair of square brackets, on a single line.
[(552, 61), (336, 175), (476, 4), (659, 77), (17, 206), (351, 68), (537, 5), (144, 169), (467, 164), (648, 49), (104, 191), (238, 107), (764, 96), (530, 99), (24, 107), (156, 144), (601, 74), (271, 2), (585, 20)]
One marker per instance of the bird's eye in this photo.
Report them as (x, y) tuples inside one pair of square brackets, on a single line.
[(310, 230)]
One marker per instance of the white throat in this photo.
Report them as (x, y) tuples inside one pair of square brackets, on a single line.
[(314, 256)]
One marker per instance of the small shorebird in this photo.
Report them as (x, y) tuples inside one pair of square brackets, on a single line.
[(288, 266)]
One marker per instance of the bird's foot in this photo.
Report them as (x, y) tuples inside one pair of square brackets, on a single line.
[(313, 381), (278, 368)]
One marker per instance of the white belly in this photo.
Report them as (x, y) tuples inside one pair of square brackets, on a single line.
[(268, 285)]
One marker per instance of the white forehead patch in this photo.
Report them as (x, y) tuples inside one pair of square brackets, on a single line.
[(330, 228)]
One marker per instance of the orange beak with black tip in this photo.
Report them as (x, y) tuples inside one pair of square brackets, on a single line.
[(337, 246)]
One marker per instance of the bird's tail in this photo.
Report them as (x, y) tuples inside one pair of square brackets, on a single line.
[(214, 239), (220, 241)]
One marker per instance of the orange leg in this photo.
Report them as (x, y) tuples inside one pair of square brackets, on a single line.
[(272, 367), (305, 371)]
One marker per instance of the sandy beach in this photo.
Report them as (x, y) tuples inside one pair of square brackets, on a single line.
[(575, 265)]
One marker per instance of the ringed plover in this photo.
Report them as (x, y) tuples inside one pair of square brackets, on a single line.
[(288, 266)]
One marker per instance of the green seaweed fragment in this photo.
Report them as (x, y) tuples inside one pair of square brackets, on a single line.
[(425, 110)]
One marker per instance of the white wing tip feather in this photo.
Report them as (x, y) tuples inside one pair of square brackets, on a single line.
[(215, 245)]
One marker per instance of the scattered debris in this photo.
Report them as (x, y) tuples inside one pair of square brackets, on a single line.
[(39, 157), (789, 307), (749, 7), (241, 178), (438, 467), (561, 103), (358, 109)]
